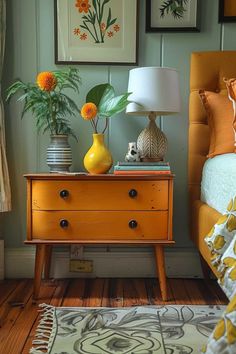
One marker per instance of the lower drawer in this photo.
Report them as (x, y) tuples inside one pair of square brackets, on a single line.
[(97, 225)]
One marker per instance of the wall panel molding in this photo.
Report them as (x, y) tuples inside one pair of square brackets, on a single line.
[(180, 263)]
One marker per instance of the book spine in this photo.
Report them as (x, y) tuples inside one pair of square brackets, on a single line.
[(144, 163), (145, 168), (139, 172)]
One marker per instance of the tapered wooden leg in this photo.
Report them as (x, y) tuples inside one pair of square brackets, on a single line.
[(47, 265), (39, 265), (206, 270), (161, 271)]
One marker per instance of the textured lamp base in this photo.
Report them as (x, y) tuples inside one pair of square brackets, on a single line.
[(152, 142)]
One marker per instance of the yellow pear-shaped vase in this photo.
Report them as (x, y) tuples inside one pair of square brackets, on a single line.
[(98, 159)]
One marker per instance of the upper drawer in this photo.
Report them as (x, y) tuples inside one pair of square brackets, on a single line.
[(99, 195)]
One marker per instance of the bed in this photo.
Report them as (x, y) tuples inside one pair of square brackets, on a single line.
[(207, 71), (208, 86)]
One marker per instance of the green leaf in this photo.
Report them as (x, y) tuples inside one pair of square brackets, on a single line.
[(14, 88), (100, 94), (73, 107), (68, 79), (84, 27), (113, 106), (94, 5), (109, 17), (112, 22)]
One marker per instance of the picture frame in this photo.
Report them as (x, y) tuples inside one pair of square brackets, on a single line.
[(227, 11), (96, 32), (160, 16)]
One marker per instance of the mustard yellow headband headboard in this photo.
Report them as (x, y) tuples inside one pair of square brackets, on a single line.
[(207, 71)]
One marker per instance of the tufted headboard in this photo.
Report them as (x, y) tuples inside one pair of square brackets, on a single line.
[(207, 71)]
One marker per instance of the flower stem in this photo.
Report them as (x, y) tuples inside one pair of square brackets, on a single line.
[(96, 34), (53, 123), (96, 123), (94, 126), (106, 125), (99, 19), (95, 39)]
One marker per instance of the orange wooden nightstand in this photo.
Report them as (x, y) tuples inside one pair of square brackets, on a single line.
[(97, 209)]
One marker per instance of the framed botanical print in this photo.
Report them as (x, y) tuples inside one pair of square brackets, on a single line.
[(96, 32), (172, 15), (227, 10)]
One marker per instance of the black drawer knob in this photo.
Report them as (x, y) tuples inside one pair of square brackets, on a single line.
[(64, 193), (133, 224), (64, 223), (133, 193)]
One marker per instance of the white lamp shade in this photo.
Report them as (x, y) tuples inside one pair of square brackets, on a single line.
[(153, 89)]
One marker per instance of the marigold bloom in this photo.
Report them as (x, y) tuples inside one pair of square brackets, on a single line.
[(83, 5), (89, 111), (46, 81), (110, 34)]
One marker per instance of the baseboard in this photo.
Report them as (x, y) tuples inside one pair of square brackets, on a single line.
[(19, 263)]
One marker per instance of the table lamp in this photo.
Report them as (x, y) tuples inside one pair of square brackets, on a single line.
[(154, 92)]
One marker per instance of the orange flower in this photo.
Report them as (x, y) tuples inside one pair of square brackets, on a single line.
[(110, 34), (103, 26), (89, 111), (116, 28), (76, 31), (46, 81), (83, 37), (83, 5)]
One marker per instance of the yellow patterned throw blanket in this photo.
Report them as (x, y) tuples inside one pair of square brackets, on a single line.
[(169, 329), (221, 240)]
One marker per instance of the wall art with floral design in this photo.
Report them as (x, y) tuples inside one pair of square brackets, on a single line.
[(95, 31), (172, 15)]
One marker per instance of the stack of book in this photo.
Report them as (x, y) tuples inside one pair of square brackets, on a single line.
[(142, 168)]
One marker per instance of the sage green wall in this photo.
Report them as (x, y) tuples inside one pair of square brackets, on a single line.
[(30, 49)]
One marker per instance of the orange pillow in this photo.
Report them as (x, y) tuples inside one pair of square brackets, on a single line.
[(220, 115), (231, 87)]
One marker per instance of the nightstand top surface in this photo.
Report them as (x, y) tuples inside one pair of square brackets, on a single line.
[(86, 176)]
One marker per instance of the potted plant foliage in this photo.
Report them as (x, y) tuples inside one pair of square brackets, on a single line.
[(52, 109)]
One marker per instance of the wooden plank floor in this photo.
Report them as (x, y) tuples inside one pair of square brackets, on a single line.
[(19, 316)]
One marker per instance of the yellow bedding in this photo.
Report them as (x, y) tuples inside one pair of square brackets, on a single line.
[(223, 338), (221, 241)]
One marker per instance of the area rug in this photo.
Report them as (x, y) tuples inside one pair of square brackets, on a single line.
[(168, 329)]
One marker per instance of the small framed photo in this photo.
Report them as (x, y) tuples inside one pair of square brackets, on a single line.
[(227, 11), (172, 16), (96, 32)]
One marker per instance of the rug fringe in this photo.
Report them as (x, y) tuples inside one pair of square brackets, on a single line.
[(44, 330)]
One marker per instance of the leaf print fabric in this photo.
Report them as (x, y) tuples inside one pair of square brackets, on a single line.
[(221, 241), (223, 338)]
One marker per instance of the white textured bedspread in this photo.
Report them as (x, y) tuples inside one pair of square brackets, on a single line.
[(219, 181)]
